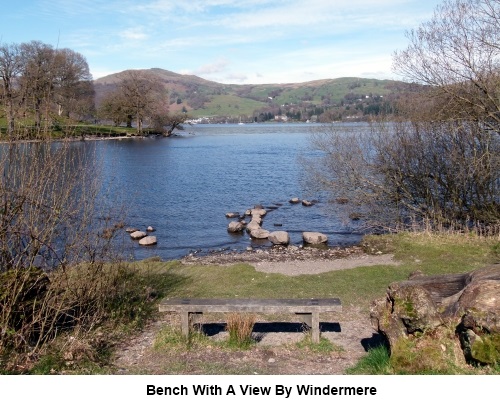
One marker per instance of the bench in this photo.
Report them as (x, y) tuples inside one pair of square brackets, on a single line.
[(308, 309)]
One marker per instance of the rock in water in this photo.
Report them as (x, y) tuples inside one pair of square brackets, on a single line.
[(148, 241), (279, 238), (314, 238), (138, 235)]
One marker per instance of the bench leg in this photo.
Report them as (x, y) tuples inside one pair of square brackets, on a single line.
[(315, 327), (185, 323), (305, 318)]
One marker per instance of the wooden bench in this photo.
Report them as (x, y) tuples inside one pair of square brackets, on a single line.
[(308, 309)]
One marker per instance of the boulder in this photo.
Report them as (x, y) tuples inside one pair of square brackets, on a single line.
[(131, 230), (252, 226), (294, 200), (469, 303), (235, 227), (259, 233), (257, 218), (314, 238), (307, 203), (279, 238), (138, 235), (232, 215), (258, 212), (148, 241)]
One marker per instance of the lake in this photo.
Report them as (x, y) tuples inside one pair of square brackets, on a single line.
[(184, 186)]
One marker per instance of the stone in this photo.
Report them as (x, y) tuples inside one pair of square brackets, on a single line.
[(252, 226), (314, 238), (131, 230), (258, 212), (257, 218), (148, 241), (294, 200), (235, 227), (279, 238), (138, 235), (259, 234), (150, 229), (307, 203), (232, 215)]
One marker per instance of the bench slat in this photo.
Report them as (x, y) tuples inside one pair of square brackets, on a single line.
[(251, 305)]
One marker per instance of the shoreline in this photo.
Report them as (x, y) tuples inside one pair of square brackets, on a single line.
[(294, 261)]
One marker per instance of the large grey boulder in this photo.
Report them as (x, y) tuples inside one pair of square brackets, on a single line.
[(279, 238), (314, 238)]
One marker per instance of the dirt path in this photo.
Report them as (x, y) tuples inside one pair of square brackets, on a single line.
[(276, 351)]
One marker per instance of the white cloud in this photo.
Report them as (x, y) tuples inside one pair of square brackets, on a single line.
[(134, 34), (218, 66)]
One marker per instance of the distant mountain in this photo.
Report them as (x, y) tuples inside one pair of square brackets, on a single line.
[(330, 99)]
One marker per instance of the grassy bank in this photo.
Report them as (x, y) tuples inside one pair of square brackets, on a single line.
[(64, 128), (431, 254), (146, 282)]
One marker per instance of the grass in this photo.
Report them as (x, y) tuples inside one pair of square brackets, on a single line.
[(429, 253), (377, 361), (66, 128)]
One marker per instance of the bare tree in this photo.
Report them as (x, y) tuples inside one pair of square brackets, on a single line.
[(56, 253), (74, 90), (40, 82), (440, 164), (11, 65), (141, 97), (457, 54)]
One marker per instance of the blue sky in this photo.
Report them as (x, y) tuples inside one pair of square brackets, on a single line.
[(229, 41)]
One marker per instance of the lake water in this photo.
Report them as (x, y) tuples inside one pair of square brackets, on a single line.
[(184, 186)]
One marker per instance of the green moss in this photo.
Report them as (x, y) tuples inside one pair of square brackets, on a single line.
[(487, 349)]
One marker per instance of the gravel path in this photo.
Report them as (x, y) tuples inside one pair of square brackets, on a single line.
[(298, 267)]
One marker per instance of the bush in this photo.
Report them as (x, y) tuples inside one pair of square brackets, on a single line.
[(55, 241)]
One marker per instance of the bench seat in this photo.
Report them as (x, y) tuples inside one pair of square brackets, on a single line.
[(309, 309)]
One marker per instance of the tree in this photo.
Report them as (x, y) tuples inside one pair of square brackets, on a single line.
[(457, 55), (11, 64), (166, 123), (439, 164), (74, 90), (141, 97), (37, 79), (40, 82)]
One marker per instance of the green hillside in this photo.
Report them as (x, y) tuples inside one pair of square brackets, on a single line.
[(330, 99)]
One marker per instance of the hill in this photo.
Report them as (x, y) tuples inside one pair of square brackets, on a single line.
[(329, 99)]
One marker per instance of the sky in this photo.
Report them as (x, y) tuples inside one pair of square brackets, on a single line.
[(228, 41)]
